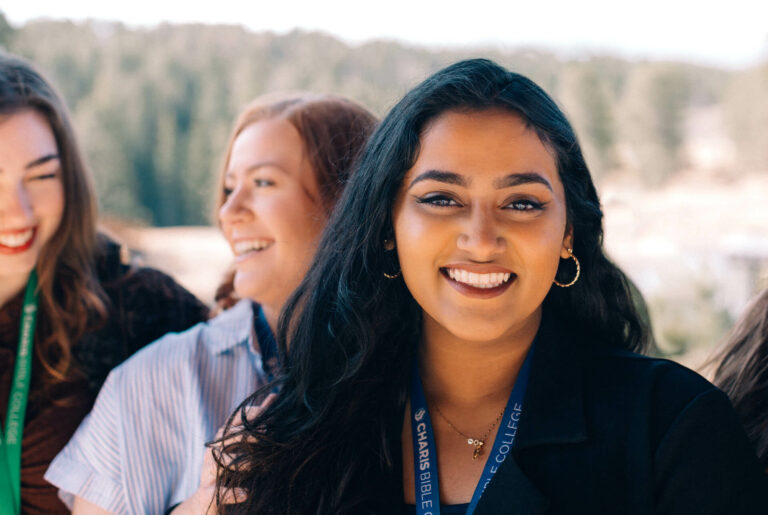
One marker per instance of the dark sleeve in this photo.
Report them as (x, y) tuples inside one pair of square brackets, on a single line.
[(153, 304), (144, 304), (705, 465)]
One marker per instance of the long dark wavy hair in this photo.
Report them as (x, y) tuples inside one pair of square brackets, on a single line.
[(70, 297), (742, 372), (326, 443)]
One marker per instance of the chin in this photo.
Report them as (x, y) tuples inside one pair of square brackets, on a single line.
[(248, 287), (478, 332), (17, 265)]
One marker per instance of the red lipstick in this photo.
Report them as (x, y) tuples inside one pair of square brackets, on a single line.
[(10, 250)]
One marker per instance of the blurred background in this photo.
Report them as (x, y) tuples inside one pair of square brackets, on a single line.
[(670, 103)]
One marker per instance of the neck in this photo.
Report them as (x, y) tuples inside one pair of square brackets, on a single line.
[(10, 287), (271, 313), (461, 374)]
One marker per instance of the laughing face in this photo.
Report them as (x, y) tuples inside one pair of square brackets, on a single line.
[(31, 192), (480, 225), (271, 216)]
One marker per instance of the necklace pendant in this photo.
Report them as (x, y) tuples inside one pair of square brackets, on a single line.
[(478, 448)]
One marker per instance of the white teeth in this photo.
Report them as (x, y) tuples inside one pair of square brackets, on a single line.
[(241, 247), (16, 240), (476, 280)]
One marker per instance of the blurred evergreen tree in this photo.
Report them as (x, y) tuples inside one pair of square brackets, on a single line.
[(746, 104), (154, 105), (6, 32)]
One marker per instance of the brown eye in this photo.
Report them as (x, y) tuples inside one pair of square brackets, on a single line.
[(438, 201), (524, 205)]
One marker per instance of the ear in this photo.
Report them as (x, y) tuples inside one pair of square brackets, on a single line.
[(567, 242)]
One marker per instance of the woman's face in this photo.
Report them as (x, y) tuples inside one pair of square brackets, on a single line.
[(271, 217), (480, 225), (31, 191)]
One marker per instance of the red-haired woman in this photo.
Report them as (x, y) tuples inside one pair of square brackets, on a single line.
[(141, 449)]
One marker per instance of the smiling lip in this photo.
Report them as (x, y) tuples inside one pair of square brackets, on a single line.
[(17, 241), (245, 248), (478, 281)]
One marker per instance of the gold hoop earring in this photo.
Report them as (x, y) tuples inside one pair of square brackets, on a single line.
[(389, 246), (388, 276), (578, 271)]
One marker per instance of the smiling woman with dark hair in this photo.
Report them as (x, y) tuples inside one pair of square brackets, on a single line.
[(463, 345)]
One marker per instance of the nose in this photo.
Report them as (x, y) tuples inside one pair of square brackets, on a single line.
[(236, 207), (15, 205), (481, 237)]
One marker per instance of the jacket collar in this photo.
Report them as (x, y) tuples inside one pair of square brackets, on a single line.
[(553, 412)]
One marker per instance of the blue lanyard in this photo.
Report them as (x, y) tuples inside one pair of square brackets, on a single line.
[(425, 450), (266, 342)]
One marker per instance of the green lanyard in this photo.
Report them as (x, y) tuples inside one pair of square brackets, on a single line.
[(10, 439)]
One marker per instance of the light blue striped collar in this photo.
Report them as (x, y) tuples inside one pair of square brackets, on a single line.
[(231, 328)]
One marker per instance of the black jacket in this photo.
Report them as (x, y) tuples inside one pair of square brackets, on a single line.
[(606, 431)]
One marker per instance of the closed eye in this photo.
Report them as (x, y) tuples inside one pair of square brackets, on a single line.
[(44, 176)]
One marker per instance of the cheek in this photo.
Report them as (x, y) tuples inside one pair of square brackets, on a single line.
[(417, 238), (295, 221), (423, 244), (48, 204), (539, 247)]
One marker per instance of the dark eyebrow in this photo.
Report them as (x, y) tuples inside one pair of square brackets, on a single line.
[(440, 176), (41, 160), (513, 179), (516, 179)]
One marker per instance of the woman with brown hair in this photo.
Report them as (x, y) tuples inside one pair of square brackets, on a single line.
[(742, 372), (70, 309), (141, 450)]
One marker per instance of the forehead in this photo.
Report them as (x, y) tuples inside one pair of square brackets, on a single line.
[(272, 140), (483, 145), (24, 136)]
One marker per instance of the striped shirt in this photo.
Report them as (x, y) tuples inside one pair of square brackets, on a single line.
[(140, 450)]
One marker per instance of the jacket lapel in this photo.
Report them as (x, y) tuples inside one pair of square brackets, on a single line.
[(553, 410), (511, 492), (553, 413)]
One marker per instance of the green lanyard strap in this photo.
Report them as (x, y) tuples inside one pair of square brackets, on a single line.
[(10, 439)]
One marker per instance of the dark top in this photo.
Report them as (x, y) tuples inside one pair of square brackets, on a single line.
[(145, 304), (445, 509), (606, 431), (267, 344)]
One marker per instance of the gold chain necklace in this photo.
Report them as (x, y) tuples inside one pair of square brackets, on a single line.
[(477, 442)]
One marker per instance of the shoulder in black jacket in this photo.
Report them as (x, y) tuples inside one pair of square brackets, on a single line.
[(143, 305), (609, 432)]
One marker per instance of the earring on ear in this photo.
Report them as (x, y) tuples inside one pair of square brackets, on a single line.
[(389, 246), (578, 271)]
